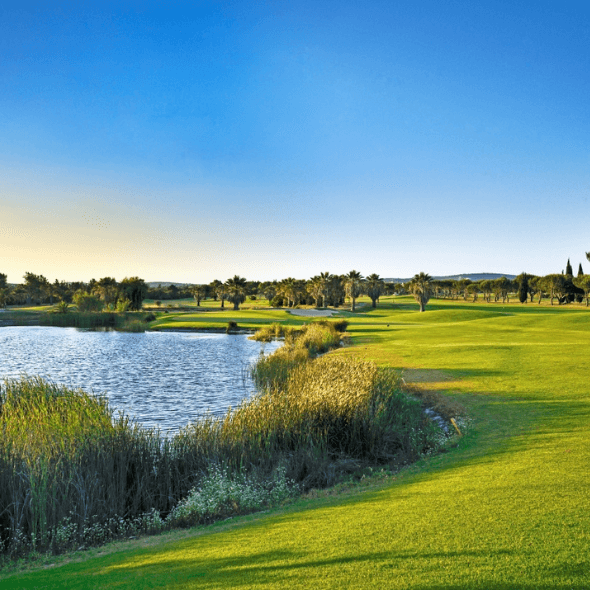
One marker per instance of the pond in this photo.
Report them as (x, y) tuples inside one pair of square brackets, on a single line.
[(163, 379)]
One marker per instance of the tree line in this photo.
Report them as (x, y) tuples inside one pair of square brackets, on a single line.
[(322, 290), (107, 293)]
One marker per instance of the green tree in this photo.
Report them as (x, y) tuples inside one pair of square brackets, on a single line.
[(213, 286), (107, 289), (555, 286), (269, 290), (421, 288), (135, 290), (523, 288), (221, 292), (472, 290), (501, 289), (568, 269), (325, 278), (33, 287), (288, 289), (4, 291), (463, 284), (199, 292), (86, 302), (236, 290), (315, 288), (486, 288), (583, 282), (580, 270), (374, 287), (353, 284)]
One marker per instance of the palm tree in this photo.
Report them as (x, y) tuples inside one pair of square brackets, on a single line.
[(199, 291), (421, 288), (269, 290), (288, 289), (314, 288), (325, 280), (353, 282), (236, 290), (222, 294), (375, 286)]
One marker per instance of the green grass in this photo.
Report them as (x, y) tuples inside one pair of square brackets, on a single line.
[(506, 509)]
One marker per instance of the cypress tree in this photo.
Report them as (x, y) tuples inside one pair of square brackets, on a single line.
[(568, 269), (580, 271), (523, 288)]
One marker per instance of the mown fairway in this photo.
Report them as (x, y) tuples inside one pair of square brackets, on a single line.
[(508, 508)]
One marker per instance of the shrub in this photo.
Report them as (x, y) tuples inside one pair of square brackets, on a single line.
[(221, 494), (232, 327), (85, 302), (62, 307), (340, 325), (123, 305), (277, 301)]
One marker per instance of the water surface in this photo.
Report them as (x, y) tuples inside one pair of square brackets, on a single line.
[(164, 379)]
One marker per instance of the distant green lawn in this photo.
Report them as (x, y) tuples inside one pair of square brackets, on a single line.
[(507, 509)]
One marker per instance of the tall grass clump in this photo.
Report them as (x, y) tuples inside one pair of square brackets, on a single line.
[(68, 464), (331, 411), (299, 345), (89, 320), (269, 333)]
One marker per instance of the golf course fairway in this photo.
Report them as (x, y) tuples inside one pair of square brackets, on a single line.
[(506, 508)]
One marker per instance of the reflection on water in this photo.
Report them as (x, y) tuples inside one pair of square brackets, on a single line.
[(161, 379)]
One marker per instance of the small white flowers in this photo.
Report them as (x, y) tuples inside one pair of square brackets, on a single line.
[(221, 495)]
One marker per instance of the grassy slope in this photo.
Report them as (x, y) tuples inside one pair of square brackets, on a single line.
[(507, 509)]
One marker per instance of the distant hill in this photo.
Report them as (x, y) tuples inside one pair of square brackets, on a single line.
[(473, 276), (154, 284)]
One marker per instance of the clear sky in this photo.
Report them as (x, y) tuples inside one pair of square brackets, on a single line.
[(191, 141)]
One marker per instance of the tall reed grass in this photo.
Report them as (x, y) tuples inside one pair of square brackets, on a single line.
[(74, 473), (123, 321), (299, 346)]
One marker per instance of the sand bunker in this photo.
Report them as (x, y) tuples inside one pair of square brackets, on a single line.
[(314, 313)]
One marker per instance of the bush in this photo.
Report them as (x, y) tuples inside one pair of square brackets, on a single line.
[(62, 307), (150, 317), (277, 301), (85, 302), (221, 494), (340, 325), (232, 327), (123, 305)]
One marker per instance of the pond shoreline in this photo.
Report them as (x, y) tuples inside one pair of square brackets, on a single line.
[(163, 378)]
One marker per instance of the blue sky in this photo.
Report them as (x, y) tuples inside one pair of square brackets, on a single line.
[(194, 141)]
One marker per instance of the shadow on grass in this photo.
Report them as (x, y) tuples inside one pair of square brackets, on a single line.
[(284, 568)]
